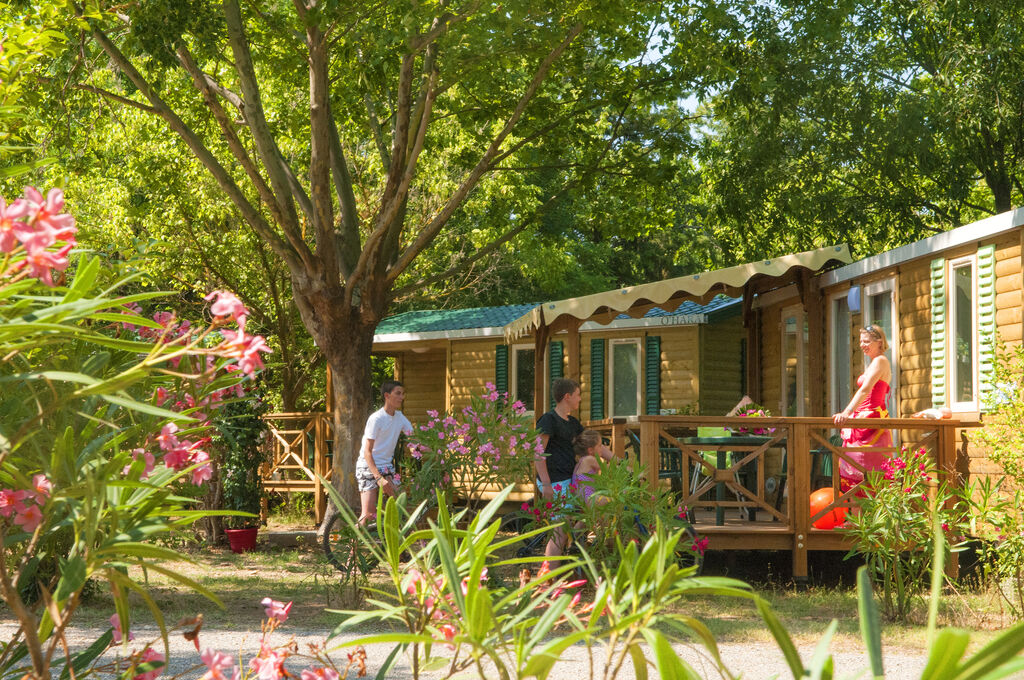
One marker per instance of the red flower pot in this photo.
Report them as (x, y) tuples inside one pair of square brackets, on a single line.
[(242, 540)]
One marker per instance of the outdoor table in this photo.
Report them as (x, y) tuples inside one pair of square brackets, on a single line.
[(722, 446)]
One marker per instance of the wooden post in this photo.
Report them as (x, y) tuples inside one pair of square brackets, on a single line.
[(946, 462), (572, 347), (649, 450), (798, 442), (319, 466), (619, 439), (752, 322), (540, 348)]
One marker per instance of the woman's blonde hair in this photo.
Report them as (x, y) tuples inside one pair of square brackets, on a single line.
[(585, 441), (875, 331)]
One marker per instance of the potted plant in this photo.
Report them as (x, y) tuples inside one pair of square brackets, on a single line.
[(241, 431)]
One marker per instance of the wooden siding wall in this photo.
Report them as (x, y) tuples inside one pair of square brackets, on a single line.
[(721, 379), (680, 366), (915, 338), (1008, 289), (472, 368), (423, 376)]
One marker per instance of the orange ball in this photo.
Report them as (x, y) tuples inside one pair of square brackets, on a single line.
[(820, 500)]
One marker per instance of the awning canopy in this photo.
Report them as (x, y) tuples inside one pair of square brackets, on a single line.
[(697, 287)]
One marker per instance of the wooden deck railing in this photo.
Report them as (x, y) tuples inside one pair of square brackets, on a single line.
[(737, 514), (297, 451)]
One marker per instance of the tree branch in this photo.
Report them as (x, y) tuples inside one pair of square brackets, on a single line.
[(320, 127), (297, 260), (282, 179), (346, 238), (114, 97), (430, 231)]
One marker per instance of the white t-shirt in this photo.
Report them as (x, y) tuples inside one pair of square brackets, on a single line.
[(384, 430)]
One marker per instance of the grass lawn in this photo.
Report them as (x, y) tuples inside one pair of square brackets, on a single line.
[(303, 576)]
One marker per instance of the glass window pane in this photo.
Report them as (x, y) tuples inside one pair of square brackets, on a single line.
[(842, 354), (791, 359), (524, 377), (625, 379), (963, 335)]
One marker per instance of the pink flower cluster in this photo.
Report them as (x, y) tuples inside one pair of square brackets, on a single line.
[(37, 234), (178, 454), (26, 505)]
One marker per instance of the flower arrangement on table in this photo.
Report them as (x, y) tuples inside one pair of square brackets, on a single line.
[(489, 442), (753, 411)]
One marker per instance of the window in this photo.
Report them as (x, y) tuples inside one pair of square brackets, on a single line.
[(880, 309), (522, 371), (841, 353), (962, 334), (624, 386), (794, 340)]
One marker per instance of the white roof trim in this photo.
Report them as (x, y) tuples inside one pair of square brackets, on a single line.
[(969, 233), (589, 326)]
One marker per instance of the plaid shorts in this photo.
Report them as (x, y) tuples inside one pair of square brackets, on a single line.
[(367, 482)]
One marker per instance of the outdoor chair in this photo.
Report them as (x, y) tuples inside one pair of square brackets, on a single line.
[(711, 458), (670, 461)]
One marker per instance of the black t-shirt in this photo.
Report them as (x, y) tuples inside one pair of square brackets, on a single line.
[(561, 434)]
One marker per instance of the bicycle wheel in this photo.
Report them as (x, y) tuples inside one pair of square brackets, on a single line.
[(345, 550)]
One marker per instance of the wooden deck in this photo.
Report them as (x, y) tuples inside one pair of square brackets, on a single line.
[(768, 478), (791, 455)]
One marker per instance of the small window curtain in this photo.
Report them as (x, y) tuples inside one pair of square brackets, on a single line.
[(652, 375), (597, 367), (556, 350), (986, 320), (501, 368)]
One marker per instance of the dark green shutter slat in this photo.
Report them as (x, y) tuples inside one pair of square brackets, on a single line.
[(597, 379), (938, 280), (986, 319), (501, 368), (652, 375), (555, 352)]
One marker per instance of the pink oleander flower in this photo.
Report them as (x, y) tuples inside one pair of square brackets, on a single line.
[(11, 502), (150, 655), (226, 304), (41, 262), (269, 665), (178, 458), (10, 216), (321, 673), (167, 439), (203, 473), (115, 623), (41, 487), (47, 213), (245, 348), (449, 631), (29, 518), (148, 464), (215, 663), (700, 545), (276, 610), (160, 396)]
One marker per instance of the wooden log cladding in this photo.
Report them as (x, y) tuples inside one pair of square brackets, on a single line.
[(915, 334), (472, 369), (423, 376), (910, 362), (1008, 317), (1008, 282), (1010, 333), (1005, 268)]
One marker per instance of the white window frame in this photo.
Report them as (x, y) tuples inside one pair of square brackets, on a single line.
[(951, 266), (513, 374), (611, 375), (801, 368), (839, 401), (872, 289)]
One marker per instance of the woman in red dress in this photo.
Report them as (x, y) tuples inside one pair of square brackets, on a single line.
[(868, 402)]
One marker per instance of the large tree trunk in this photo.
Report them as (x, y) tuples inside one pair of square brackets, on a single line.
[(345, 337)]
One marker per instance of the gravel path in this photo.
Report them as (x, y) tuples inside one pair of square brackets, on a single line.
[(752, 661)]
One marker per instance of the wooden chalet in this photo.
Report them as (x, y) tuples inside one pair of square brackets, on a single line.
[(660, 362)]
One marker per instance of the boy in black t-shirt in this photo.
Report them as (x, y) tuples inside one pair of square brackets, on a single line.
[(558, 430)]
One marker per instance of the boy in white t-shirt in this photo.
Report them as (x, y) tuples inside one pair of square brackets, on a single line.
[(375, 468)]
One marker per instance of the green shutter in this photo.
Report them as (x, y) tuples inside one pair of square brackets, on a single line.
[(938, 331), (986, 319), (555, 352), (596, 379), (652, 375), (501, 368)]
